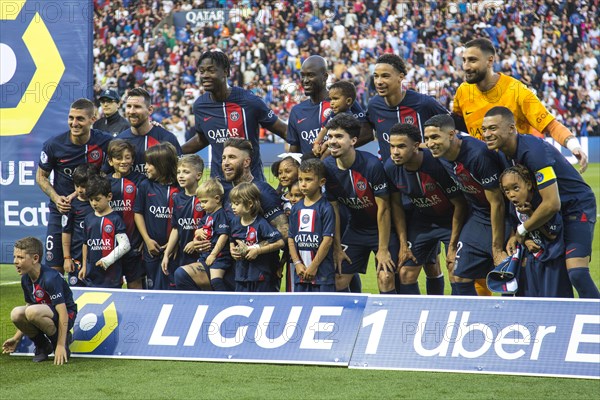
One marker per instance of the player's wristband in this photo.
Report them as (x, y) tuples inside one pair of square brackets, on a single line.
[(67, 258), (573, 144), (298, 262), (521, 230)]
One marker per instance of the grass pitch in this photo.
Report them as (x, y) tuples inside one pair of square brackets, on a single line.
[(141, 379)]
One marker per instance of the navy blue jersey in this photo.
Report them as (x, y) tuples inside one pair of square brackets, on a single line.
[(50, 288), (270, 201), (73, 223), (549, 166), (476, 169), (307, 119), (239, 116), (124, 191), (155, 202), (187, 214), (415, 108), (263, 267), (100, 238), (308, 226), (429, 188), (215, 225), (357, 187), (60, 155), (142, 143)]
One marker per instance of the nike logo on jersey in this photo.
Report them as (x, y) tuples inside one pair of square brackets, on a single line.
[(570, 251), (207, 118), (380, 120), (300, 120), (468, 112), (66, 160)]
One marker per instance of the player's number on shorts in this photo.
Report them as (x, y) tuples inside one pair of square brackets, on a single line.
[(376, 319), (459, 246), (49, 243)]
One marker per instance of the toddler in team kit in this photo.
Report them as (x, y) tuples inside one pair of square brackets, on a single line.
[(72, 224), (49, 313), (255, 244), (545, 271), (106, 240), (310, 237), (124, 184), (187, 213), (153, 210)]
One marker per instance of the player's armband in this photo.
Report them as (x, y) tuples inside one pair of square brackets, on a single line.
[(545, 175)]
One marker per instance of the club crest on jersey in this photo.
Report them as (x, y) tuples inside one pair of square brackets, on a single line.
[(64, 220), (327, 113), (305, 219), (44, 157), (251, 237), (409, 120), (234, 115), (129, 189), (108, 228), (49, 256), (430, 187), (72, 280), (198, 207), (361, 185), (39, 294), (95, 155)]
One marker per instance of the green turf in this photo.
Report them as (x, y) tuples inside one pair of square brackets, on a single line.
[(134, 379)]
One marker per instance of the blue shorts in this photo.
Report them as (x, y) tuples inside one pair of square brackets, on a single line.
[(359, 244), (547, 279), (424, 238), (71, 314), (579, 234), (256, 286), (474, 250), (133, 266), (310, 288), (54, 253)]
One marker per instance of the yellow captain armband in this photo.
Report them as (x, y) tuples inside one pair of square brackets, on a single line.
[(544, 175)]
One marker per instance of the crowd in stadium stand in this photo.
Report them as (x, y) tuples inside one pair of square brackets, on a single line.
[(552, 46)]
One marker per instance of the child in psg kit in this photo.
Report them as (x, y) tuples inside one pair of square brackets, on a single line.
[(124, 183), (153, 211), (72, 223), (254, 242), (545, 268), (187, 213), (310, 237), (106, 240)]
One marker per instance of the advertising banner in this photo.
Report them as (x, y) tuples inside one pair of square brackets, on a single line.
[(46, 63)]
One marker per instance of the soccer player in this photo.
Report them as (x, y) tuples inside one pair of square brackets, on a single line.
[(254, 243), (112, 121), (357, 180), (106, 240), (307, 118), (154, 209), (310, 239), (143, 134), (124, 184), (545, 271), (72, 223), (439, 208), (61, 154), (561, 188), (225, 112), (485, 89), (477, 171), (187, 213), (49, 313)]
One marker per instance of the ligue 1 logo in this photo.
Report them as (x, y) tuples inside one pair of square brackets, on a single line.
[(361, 185), (129, 189), (108, 228), (96, 324), (234, 116), (95, 155), (539, 177)]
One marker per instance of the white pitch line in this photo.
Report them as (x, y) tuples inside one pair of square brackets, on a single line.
[(9, 283)]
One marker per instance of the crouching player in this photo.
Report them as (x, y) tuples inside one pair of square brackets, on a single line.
[(545, 269), (312, 225), (50, 311), (106, 240)]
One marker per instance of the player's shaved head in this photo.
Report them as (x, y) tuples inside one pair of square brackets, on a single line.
[(318, 63)]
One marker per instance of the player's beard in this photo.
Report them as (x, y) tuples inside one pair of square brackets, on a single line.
[(477, 76)]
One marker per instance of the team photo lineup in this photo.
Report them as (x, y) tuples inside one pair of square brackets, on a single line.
[(471, 180)]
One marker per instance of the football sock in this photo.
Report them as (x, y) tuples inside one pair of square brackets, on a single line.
[(435, 285), (411, 288), (183, 280), (582, 281), (465, 289), (218, 284), (356, 284)]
